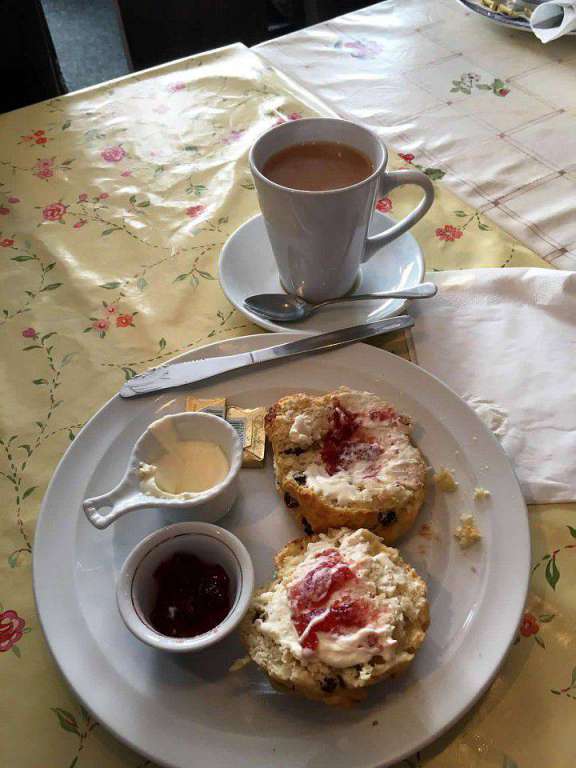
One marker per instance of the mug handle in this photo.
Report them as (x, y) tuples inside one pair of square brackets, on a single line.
[(388, 182)]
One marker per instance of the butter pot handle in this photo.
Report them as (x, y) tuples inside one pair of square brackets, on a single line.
[(103, 510)]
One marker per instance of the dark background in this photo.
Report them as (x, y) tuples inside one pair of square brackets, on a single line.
[(50, 47)]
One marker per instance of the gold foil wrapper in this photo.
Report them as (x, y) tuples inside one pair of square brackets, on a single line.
[(214, 405), (511, 8), (249, 423)]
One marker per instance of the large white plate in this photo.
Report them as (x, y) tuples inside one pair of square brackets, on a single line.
[(512, 22), (247, 266), (190, 711)]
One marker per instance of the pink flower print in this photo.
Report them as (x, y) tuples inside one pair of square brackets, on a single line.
[(233, 136), (529, 625), (111, 309), (448, 233), (125, 321), (37, 137), (175, 87), (101, 325), (44, 169), (363, 49), (126, 173), (384, 205), (54, 212), (6, 242), (11, 629), (408, 157), (503, 91), (292, 116), (113, 154), (4, 211), (103, 196), (195, 210), (83, 198), (13, 200), (29, 333), (80, 223)]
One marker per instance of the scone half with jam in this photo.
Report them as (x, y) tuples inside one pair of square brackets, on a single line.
[(346, 459), (343, 613)]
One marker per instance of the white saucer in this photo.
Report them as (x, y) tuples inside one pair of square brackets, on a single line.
[(247, 267)]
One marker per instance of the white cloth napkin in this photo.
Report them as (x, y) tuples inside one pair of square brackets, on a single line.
[(553, 19), (505, 341)]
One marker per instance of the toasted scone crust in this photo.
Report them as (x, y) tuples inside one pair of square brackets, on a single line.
[(316, 680), (390, 513)]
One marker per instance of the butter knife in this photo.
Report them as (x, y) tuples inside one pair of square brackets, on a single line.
[(177, 374)]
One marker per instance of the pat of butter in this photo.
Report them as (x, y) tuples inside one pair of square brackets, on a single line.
[(186, 469)]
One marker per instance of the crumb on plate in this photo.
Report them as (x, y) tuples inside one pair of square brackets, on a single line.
[(480, 494), (445, 481), (239, 664), (426, 531), (467, 533)]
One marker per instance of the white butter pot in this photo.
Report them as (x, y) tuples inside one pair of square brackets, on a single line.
[(208, 506)]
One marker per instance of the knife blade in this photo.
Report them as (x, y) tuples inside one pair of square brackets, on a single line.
[(178, 374)]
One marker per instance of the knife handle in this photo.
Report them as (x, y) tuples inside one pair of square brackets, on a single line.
[(333, 339)]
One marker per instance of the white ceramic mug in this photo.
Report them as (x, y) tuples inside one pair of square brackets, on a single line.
[(320, 239)]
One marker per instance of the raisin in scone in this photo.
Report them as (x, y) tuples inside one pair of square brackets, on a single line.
[(346, 459), (344, 612)]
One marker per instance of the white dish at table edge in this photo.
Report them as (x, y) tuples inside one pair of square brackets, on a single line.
[(187, 715), (518, 23), (246, 267)]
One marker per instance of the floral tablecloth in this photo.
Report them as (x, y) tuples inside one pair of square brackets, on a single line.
[(492, 108), (114, 204)]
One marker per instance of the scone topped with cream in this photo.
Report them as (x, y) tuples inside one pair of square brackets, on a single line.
[(346, 459), (344, 612)]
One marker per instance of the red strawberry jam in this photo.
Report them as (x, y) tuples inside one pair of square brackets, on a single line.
[(344, 443), (343, 427), (193, 596), (383, 414), (309, 599)]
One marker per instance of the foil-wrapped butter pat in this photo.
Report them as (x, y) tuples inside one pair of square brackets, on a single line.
[(213, 405), (249, 423)]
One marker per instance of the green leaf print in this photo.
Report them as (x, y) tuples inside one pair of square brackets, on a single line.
[(111, 286), (67, 720), (29, 491), (572, 531), (435, 173), (552, 572)]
